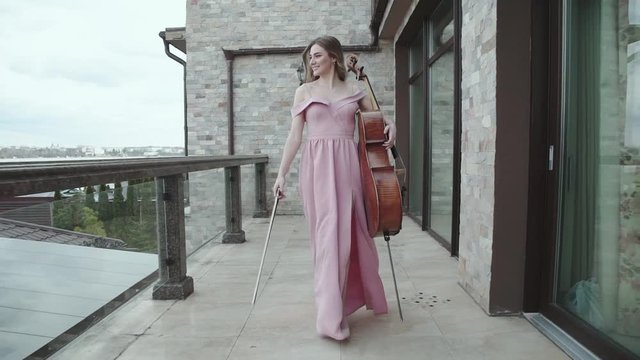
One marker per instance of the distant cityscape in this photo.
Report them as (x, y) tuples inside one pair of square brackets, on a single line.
[(81, 151)]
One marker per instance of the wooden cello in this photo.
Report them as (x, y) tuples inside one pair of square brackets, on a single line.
[(381, 188)]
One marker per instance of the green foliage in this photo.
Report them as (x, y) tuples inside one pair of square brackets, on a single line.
[(89, 200), (67, 214), (142, 235), (131, 219), (119, 209), (105, 212), (90, 223), (131, 200)]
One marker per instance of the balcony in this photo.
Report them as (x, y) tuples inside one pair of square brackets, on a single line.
[(218, 321)]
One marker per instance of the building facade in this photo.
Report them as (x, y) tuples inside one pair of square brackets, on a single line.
[(519, 123)]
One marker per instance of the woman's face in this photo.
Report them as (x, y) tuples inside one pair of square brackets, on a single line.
[(319, 60)]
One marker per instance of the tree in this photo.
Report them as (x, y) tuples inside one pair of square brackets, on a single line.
[(119, 208), (67, 214), (57, 202), (90, 223), (119, 226), (131, 200), (142, 225), (89, 200), (104, 207)]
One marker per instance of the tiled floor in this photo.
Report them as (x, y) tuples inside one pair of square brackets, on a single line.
[(219, 322), (47, 288)]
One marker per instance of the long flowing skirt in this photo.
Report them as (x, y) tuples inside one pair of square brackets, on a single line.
[(345, 259)]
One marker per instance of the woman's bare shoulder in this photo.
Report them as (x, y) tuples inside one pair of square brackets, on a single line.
[(301, 94), (356, 86), (304, 91)]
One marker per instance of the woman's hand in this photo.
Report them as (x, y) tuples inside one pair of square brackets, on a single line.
[(390, 132), (278, 187)]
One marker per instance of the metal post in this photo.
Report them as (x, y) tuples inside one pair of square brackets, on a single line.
[(233, 206), (172, 253), (260, 210)]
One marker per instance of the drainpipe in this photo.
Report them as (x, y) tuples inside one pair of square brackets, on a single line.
[(184, 87), (162, 35), (378, 9), (231, 124)]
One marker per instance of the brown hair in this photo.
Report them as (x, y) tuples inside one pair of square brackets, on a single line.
[(334, 48)]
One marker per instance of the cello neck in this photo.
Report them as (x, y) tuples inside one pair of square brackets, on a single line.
[(372, 96), (352, 60)]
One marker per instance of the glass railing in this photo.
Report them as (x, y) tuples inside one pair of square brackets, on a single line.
[(74, 255), (205, 212)]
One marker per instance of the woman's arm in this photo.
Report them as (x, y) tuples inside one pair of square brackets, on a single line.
[(294, 139)]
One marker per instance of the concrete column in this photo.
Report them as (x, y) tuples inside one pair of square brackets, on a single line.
[(260, 210), (233, 206), (172, 253)]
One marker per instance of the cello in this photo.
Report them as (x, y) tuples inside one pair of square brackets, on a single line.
[(380, 179)]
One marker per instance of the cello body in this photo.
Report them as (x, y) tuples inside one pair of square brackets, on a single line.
[(380, 185), (381, 190)]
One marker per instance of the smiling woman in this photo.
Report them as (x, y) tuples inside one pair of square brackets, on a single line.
[(344, 255), (70, 68)]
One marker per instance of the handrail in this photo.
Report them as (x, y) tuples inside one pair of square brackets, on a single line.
[(42, 176), (168, 173)]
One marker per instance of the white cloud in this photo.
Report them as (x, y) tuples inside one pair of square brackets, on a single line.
[(85, 72)]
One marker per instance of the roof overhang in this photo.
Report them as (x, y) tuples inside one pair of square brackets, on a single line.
[(175, 37)]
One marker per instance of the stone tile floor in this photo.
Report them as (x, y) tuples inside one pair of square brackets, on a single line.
[(219, 322)]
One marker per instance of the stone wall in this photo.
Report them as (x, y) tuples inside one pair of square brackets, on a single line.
[(478, 147), (263, 85)]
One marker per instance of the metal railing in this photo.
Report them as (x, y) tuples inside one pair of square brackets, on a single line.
[(44, 176)]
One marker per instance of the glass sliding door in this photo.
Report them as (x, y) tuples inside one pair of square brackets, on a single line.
[(597, 265), (416, 127), (441, 120), (432, 57)]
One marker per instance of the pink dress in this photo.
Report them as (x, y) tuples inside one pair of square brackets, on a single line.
[(345, 259)]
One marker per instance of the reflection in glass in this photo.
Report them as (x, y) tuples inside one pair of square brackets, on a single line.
[(598, 257), (416, 143), (441, 26), (441, 121), (416, 127), (205, 215), (416, 57)]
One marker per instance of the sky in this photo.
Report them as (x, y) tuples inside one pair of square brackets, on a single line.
[(76, 72)]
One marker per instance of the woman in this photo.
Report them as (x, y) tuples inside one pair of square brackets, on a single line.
[(344, 255)]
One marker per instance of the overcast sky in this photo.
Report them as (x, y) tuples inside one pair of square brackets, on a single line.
[(76, 72)]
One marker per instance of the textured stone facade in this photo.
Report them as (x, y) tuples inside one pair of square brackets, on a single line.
[(477, 196)]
